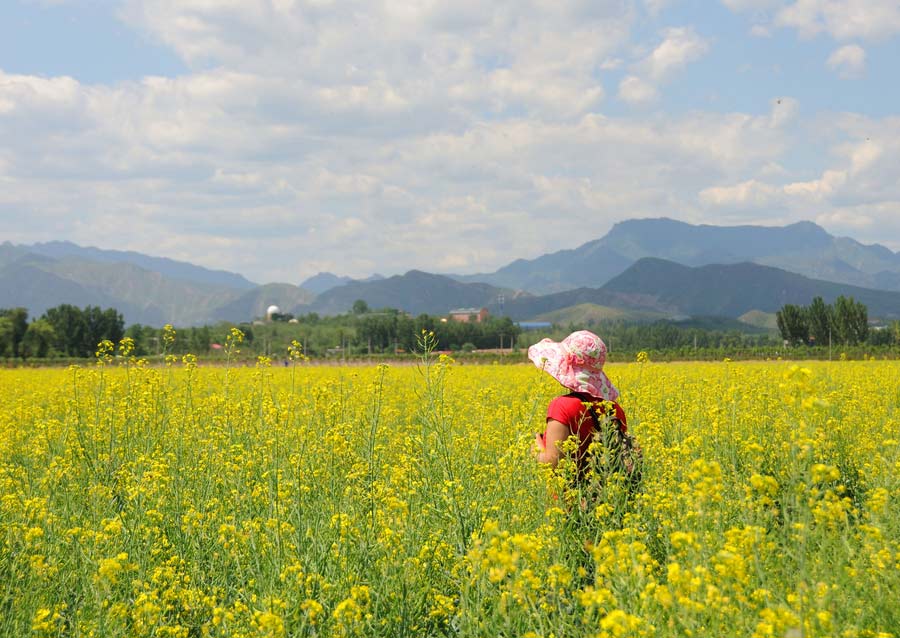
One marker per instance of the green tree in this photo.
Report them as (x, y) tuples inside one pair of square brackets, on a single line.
[(199, 340), (851, 320), (39, 338), (792, 324), (19, 319), (77, 332), (143, 337), (68, 328), (820, 317), (99, 325), (6, 337), (377, 331), (360, 307)]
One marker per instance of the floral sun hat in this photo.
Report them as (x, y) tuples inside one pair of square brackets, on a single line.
[(576, 362)]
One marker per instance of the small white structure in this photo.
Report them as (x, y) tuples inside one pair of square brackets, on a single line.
[(272, 310)]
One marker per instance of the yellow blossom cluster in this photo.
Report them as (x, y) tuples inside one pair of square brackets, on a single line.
[(190, 500)]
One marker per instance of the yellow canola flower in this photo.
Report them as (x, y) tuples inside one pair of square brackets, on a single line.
[(327, 500)]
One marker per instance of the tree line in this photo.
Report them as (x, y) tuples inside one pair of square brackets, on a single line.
[(65, 331), (69, 331), (844, 323)]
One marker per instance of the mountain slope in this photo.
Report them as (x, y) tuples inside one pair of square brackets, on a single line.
[(325, 281), (589, 265), (46, 290), (804, 248), (253, 303), (732, 290), (38, 282), (167, 267), (586, 313), (531, 307), (180, 302), (415, 292)]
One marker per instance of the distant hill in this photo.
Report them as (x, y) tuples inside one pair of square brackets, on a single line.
[(803, 248), (529, 307), (731, 290), (169, 268), (642, 269), (324, 281), (38, 282), (720, 324), (760, 319), (415, 292), (590, 265), (254, 303), (45, 290), (587, 313)]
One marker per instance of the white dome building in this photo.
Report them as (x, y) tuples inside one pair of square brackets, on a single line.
[(271, 310)]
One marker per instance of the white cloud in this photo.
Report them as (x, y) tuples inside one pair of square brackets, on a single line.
[(750, 5), (361, 137), (502, 56), (655, 7), (840, 19), (230, 169), (857, 193), (610, 64), (634, 90), (680, 46), (750, 194), (848, 61), (843, 20), (817, 190)]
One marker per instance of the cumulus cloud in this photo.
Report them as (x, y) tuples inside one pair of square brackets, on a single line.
[(361, 137), (634, 90), (857, 193), (215, 168), (655, 7), (750, 194), (848, 61), (865, 19), (502, 56), (680, 46), (840, 19), (750, 5)]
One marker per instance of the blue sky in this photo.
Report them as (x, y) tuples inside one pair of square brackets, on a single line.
[(85, 40), (279, 138)]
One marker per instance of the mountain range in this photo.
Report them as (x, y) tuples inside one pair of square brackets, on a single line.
[(803, 248), (642, 269)]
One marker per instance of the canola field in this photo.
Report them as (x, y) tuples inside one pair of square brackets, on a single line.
[(404, 501)]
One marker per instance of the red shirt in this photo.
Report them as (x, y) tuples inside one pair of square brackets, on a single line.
[(571, 411)]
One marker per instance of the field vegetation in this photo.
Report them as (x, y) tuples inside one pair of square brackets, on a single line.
[(186, 500)]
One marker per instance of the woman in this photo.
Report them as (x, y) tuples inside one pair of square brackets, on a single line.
[(589, 411)]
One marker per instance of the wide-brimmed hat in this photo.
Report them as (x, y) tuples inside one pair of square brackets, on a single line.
[(576, 362)]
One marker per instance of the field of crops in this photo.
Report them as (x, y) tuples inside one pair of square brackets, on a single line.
[(404, 501)]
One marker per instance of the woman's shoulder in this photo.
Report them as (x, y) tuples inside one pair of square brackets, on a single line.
[(566, 407), (567, 400)]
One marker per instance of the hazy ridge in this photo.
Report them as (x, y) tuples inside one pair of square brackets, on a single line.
[(642, 269)]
